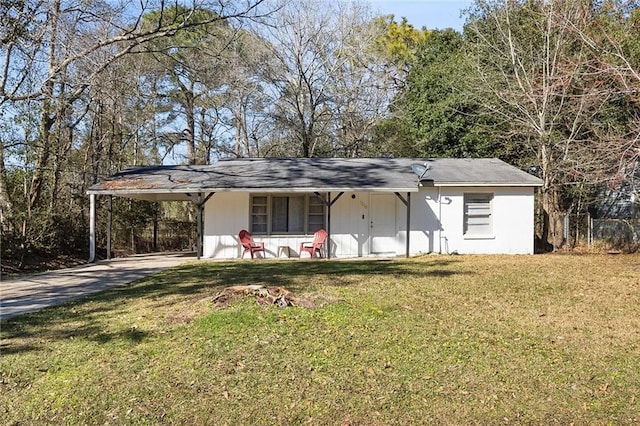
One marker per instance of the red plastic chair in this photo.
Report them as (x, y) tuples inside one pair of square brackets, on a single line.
[(314, 246), (249, 245)]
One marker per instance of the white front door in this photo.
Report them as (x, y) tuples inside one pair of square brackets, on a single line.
[(382, 218)]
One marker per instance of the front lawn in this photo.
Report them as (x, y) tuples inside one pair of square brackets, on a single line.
[(440, 339)]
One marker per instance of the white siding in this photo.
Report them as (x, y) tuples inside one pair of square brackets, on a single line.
[(225, 214), (436, 224), (424, 221), (350, 225), (442, 222)]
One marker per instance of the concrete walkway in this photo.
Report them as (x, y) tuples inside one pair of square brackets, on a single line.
[(33, 292)]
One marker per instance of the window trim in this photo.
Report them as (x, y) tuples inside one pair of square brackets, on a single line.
[(269, 215), (489, 234)]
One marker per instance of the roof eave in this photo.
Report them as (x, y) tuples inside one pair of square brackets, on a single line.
[(481, 184), (261, 190)]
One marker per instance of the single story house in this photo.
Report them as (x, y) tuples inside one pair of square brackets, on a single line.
[(369, 206)]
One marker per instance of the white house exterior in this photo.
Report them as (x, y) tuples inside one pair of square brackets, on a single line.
[(458, 205), (374, 224)]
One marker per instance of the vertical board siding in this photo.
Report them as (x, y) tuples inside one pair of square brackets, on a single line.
[(436, 225)]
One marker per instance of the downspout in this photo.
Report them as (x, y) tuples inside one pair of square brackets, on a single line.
[(439, 220), (92, 228), (408, 224)]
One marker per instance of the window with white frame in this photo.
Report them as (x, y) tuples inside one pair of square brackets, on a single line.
[(478, 215), (286, 214)]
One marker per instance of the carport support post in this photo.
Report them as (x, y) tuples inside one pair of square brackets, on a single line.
[(199, 237), (92, 228), (109, 218)]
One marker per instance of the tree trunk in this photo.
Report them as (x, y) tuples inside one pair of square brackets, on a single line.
[(6, 206), (43, 152), (553, 225), (553, 228), (64, 140), (46, 117), (190, 115), (191, 128)]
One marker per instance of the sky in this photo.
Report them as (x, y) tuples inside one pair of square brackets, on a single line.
[(433, 14)]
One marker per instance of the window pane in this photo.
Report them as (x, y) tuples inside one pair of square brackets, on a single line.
[(279, 212), (477, 214), (315, 224), (260, 210), (316, 208), (259, 228), (296, 214), (259, 214), (287, 214), (316, 214)]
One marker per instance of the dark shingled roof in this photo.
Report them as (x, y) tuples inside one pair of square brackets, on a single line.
[(308, 174)]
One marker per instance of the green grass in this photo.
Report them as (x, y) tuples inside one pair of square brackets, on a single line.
[(442, 339)]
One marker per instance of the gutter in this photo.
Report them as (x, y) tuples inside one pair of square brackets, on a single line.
[(124, 192)]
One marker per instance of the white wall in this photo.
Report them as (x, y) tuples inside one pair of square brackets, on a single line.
[(225, 214), (513, 209), (424, 221), (350, 225), (440, 224)]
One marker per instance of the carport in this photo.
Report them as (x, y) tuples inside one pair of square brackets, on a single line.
[(150, 183), (328, 179)]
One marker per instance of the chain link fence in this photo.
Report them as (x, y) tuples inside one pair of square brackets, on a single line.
[(618, 234), (582, 230)]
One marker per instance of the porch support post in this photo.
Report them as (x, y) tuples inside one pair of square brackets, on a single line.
[(328, 225), (199, 227), (92, 228), (329, 202), (109, 221), (407, 203), (156, 206)]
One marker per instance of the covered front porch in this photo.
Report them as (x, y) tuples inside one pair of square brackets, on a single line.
[(359, 224)]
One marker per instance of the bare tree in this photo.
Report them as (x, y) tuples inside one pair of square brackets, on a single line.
[(52, 53), (615, 36), (250, 123), (362, 88), (324, 86), (535, 71)]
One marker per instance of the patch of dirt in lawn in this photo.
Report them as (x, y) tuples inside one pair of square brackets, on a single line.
[(277, 296), (263, 296)]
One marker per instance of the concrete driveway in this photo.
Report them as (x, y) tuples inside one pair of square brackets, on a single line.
[(33, 292)]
